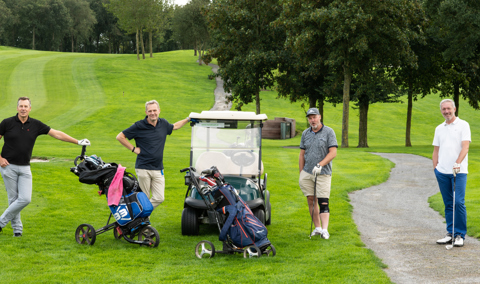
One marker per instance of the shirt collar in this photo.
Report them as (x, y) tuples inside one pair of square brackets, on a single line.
[(311, 130), (457, 119), (18, 119)]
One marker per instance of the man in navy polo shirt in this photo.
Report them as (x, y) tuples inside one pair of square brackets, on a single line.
[(20, 132), (318, 147), (150, 135)]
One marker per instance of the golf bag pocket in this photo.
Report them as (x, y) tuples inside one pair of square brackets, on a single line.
[(140, 205)]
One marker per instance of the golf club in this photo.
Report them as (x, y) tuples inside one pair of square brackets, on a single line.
[(314, 202), (453, 223)]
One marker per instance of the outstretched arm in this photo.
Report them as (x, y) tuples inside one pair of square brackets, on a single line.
[(180, 123), (62, 136)]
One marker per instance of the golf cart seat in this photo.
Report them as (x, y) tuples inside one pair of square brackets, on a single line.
[(241, 165)]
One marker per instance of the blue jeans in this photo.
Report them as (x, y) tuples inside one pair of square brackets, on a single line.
[(446, 183), (18, 183)]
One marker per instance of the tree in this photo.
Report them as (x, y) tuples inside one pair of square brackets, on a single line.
[(83, 20), (456, 27), (371, 32), (191, 27), (157, 20), (5, 15), (246, 46), (56, 22), (31, 14)]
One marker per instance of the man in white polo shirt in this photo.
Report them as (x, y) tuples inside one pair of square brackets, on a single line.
[(450, 157)]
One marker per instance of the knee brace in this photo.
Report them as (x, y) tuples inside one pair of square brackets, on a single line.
[(323, 203)]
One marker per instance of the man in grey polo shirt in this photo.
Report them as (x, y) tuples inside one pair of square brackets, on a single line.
[(150, 135), (318, 147)]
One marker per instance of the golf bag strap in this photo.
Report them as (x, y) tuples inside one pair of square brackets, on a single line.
[(232, 213)]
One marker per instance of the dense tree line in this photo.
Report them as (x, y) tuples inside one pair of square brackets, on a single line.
[(342, 51), (101, 26)]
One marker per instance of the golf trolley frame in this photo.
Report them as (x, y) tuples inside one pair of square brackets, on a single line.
[(138, 228), (206, 249)]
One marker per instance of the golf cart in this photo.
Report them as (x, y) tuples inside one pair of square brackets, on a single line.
[(231, 141)]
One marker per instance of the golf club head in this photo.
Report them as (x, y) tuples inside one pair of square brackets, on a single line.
[(449, 247)]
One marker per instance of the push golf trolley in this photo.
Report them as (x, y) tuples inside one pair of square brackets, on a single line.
[(240, 231), (131, 214)]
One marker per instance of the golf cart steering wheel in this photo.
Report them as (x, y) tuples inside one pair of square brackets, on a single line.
[(243, 158)]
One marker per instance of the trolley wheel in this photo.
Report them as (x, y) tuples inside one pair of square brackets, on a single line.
[(252, 252), (117, 233), (205, 249), (270, 250), (260, 214), (150, 234), (190, 225), (85, 234)]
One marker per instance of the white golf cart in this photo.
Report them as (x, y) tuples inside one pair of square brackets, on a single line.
[(231, 141)]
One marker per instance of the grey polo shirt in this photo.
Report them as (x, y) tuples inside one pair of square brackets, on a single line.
[(316, 146)]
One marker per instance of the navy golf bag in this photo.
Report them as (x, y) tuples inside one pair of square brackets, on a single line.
[(241, 225)]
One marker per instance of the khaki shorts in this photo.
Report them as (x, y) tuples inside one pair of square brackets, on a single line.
[(307, 181)]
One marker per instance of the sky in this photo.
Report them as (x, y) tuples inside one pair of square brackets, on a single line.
[(181, 2)]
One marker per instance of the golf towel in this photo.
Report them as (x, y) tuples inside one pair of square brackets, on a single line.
[(115, 189)]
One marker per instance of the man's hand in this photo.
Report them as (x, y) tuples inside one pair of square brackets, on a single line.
[(84, 142), (456, 168), (3, 162), (317, 170)]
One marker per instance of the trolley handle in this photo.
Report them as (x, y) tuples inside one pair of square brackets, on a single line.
[(81, 157)]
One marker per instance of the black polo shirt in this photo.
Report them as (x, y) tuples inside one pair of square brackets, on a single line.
[(151, 141), (20, 138)]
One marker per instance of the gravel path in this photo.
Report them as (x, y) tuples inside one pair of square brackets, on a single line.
[(221, 97), (396, 222)]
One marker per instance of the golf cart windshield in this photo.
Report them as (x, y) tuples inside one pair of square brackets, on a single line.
[(229, 140)]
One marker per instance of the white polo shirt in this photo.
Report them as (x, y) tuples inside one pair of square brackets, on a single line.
[(449, 138)]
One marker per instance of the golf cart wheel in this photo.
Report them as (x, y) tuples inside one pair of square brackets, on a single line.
[(85, 234), (270, 250), (190, 225), (116, 234), (269, 218), (260, 214), (205, 249), (151, 235), (252, 252)]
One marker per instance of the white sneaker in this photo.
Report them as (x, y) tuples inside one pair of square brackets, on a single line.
[(325, 234), (316, 233), (447, 239), (458, 241)]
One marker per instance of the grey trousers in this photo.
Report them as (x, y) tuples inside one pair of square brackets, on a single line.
[(18, 183)]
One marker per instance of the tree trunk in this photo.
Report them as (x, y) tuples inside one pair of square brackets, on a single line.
[(136, 39), (52, 48), (363, 125), (257, 101), (73, 49), (200, 62), (321, 104), (143, 46), (33, 39), (347, 75), (408, 142), (456, 97), (150, 38)]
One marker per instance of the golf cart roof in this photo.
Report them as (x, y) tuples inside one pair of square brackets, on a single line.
[(228, 115)]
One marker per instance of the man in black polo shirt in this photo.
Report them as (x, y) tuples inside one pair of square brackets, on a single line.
[(20, 132), (150, 135)]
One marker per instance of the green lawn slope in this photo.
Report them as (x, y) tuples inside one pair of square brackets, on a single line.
[(97, 96)]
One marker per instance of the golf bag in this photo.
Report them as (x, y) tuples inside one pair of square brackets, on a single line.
[(241, 225), (133, 203)]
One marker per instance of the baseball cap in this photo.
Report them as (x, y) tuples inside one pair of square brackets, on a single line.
[(313, 110)]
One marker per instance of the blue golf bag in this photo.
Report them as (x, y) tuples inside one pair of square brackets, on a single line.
[(140, 207), (241, 225)]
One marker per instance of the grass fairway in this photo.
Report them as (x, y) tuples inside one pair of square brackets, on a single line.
[(97, 96)]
